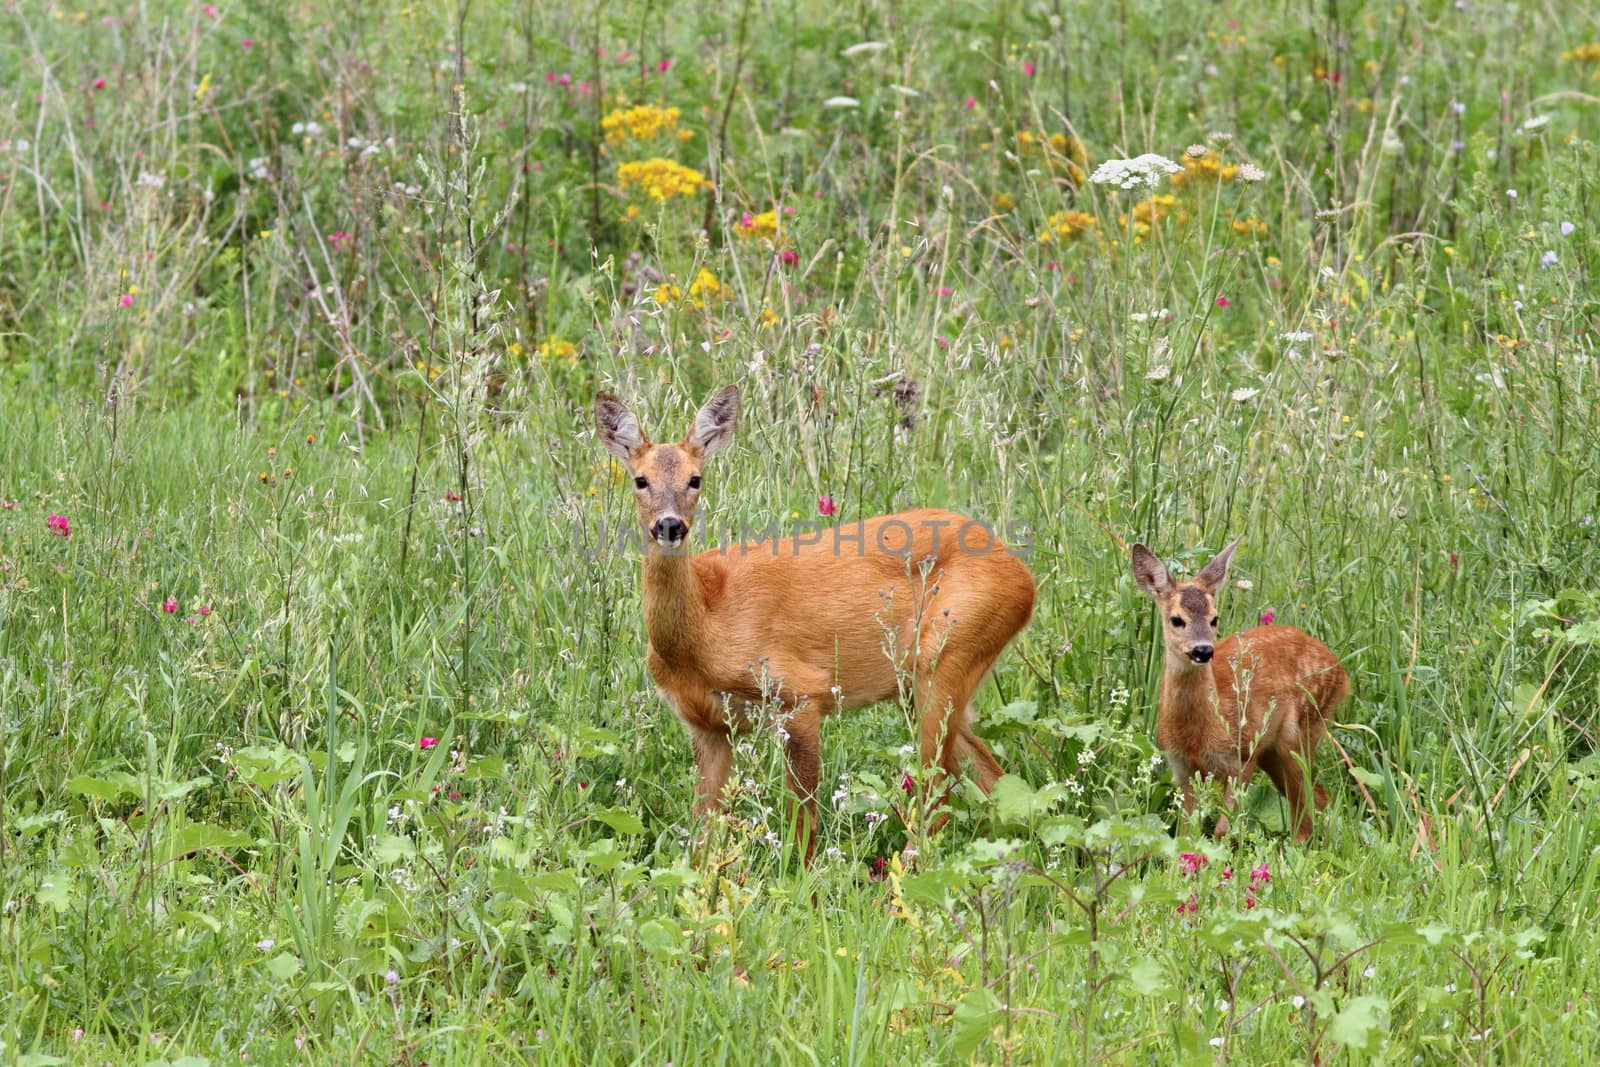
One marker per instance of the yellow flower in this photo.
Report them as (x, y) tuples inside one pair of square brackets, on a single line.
[(204, 87), (1249, 227), (642, 123), (430, 370), (1065, 226), (1583, 53), (1003, 202), (1207, 167), (769, 319), (514, 350), (762, 225), (662, 178), (705, 287), (668, 294), (555, 348)]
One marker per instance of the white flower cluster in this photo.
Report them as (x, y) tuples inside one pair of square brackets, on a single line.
[(1147, 169)]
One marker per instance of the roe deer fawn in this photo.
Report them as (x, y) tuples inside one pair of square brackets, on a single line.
[(1259, 698), (814, 628)]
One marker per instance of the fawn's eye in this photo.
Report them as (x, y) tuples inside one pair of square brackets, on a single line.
[(694, 481), (1215, 619), (1177, 623), (641, 482)]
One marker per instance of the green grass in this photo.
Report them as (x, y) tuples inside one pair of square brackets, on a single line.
[(334, 403)]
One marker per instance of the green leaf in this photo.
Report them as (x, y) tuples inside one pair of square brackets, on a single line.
[(562, 881), (198, 836), (1359, 1022), (1370, 779), (978, 1013), (621, 820), (1148, 977), (283, 966), (111, 788), (392, 848), (39, 1059)]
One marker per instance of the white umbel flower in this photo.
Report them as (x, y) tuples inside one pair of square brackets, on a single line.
[(1147, 169)]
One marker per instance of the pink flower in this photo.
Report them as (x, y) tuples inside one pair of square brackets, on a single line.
[(210, 9), (944, 290), (908, 783), (826, 506), (1191, 905), (427, 742), (1191, 862), (205, 609), (247, 44), (747, 220), (339, 239), (7, 505), (99, 83), (789, 257), (170, 605), (1260, 873), (1267, 617), (1028, 67), (1227, 874), (664, 66), (1223, 302), (125, 300), (970, 102), (565, 79), (59, 525)]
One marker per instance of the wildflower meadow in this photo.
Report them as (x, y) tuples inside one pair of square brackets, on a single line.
[(326, 732)]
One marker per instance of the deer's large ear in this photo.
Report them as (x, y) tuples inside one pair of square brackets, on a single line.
[(619, 427), (1149, 572), (714, 424), (1216, 572)]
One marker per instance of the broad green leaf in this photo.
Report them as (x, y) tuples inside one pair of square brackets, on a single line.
[(283, 966), (976, 1015), (621, 820), (1359, 1022)]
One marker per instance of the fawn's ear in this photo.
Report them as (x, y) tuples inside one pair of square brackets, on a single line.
[(714, 424), (1150, 573), (1216, 571), (619, 427)]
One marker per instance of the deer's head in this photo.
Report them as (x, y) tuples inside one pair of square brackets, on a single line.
[(666, 477), (1188, 609)]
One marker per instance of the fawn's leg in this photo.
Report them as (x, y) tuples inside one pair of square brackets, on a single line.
[(713, 756), (1284, 770), (803, 755)]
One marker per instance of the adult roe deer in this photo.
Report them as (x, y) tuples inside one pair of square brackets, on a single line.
[(1258, 698), (813, 627)]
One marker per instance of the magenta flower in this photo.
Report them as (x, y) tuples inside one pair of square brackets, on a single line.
[(664, 66), (789, 257), (1223, 302), (125, 300), (1028, 68), (247, 44), (971, 102), (1267, 617), (205, 609), (1191, 862), (170, 605), (427, 743), (908, 783), (210, 9), (99, 83), (1261, 873), (826, 506), (944, 290), (7, 505), (59, 525), (339, 239)]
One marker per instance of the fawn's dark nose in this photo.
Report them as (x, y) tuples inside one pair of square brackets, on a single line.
[(670, 531), (1201, 653)]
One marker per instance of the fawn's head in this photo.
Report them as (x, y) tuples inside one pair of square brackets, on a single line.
[(1188, 609), (666, 477)]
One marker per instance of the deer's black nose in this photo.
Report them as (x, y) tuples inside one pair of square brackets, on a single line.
[(670, 531), (1201, 653)]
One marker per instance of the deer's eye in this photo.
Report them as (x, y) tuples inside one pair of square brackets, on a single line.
[(694, 481), (1215, 619), (641, 482), (1177, 623)]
